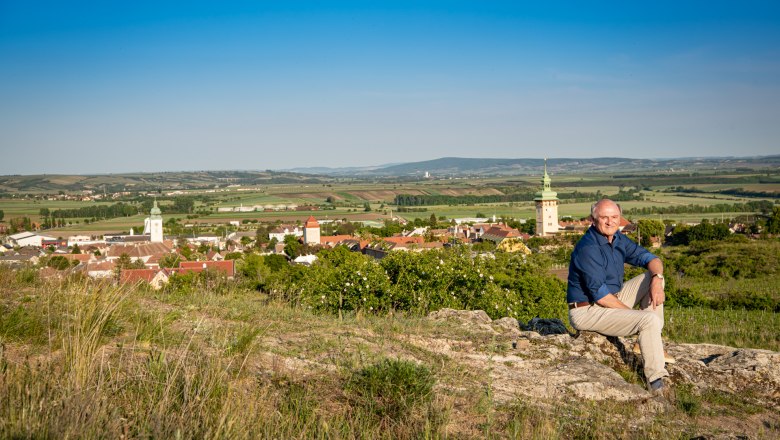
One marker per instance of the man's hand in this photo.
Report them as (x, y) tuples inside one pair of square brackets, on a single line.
[(612, 302), (657, 295)]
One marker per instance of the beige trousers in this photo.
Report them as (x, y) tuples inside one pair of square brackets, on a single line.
[(621, 322)]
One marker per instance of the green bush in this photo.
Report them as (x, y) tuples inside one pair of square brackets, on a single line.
[(391, 389)]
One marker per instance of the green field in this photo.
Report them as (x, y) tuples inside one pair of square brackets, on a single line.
[(350, 196)]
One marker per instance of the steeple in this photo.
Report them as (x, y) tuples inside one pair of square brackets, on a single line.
[(546, 193), (156, 213), (546, 202)]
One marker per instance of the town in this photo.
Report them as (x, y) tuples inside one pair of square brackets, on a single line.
[(152, 256)]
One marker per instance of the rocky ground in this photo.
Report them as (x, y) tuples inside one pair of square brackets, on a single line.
[(592, 367)]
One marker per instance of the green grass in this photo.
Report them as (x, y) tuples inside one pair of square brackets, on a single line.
[(735, 328)]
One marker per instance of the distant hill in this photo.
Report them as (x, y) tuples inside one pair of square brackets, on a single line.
[(443, 167), (110, 183), (459, 166)]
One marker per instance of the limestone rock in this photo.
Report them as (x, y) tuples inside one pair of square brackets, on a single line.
[(589, 365)]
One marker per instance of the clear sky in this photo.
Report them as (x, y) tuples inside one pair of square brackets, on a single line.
[(110, 86)]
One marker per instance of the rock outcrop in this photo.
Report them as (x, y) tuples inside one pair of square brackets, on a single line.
[(591, 366)]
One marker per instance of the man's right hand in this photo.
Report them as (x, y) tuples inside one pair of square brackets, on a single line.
[(612, 302)]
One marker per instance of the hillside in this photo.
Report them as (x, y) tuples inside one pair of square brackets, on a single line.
[(110, 183), (443, 167), (458, 166), (97, 361)]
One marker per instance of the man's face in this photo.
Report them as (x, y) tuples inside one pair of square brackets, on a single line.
[(607, 218)]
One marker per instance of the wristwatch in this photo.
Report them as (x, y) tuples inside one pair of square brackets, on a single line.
[(659, 275)]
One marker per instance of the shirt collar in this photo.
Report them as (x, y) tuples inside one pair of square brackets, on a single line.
[(602, 240)]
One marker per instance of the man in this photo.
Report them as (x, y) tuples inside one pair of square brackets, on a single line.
[(598, 299)]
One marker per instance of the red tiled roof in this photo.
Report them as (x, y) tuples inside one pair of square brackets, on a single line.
[(227, 266), (311, 222), (136, 275), (335, 239), (404, 240), (78, 257), (100, 266), (136, 251)]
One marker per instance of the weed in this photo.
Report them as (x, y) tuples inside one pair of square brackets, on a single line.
[(391, 389), (687, 400)]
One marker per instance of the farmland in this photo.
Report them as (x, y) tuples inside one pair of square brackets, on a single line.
[(374, 200)]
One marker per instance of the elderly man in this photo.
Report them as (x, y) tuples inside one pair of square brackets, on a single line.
[(598, 299)]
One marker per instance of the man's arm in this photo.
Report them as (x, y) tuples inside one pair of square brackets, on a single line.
[(657, 295), (611, 302)]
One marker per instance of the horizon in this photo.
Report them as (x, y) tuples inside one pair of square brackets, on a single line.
[(301, 170), (105, 89)]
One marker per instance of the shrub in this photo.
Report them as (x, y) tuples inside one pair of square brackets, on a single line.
[(391, 389)]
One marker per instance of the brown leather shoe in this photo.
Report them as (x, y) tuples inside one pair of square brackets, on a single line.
[(667, 358)]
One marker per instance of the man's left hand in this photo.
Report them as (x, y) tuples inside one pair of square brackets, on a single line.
[(657, 295)]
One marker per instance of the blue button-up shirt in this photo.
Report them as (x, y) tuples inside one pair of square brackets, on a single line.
[(596, 267)]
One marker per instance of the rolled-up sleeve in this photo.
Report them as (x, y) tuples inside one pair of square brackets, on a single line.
[(636, 255), (592, 268)]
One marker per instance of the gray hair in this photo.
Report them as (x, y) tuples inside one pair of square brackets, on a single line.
[(594, 207)]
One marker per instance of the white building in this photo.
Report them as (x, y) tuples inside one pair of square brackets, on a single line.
[(283, 231), (28, 239)]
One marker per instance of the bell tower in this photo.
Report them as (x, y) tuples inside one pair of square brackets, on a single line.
[(546, 207)]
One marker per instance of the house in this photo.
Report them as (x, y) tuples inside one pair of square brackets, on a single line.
[(284, 230), (81, 258), (513, 245), (335, 240), (100, 269), (143, 252), (379, 249), (574, 226), (500, 232), (155, 277), (213, 255), (227, 267), (306, 260), (22, 256), (82, 240)]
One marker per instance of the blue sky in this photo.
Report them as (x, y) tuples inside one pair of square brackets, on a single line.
[(103, 87)]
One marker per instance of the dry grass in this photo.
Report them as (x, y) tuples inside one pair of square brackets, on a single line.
[(118, 362)]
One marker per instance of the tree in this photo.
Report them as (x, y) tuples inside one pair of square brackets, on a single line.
[(650, 228), (772, 224), (2, 214), (433, 220), (367, 207), (75, 249), (292, 247), (529, 227), (44, 213), (58, 262), (170, 260)]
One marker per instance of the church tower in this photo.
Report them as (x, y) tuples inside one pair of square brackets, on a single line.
[(154, 225), (311, 231), (546, 208)]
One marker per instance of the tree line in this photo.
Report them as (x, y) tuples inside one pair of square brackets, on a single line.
[(764, 206)]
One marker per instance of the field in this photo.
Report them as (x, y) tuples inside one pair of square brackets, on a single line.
[(347, 199)]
